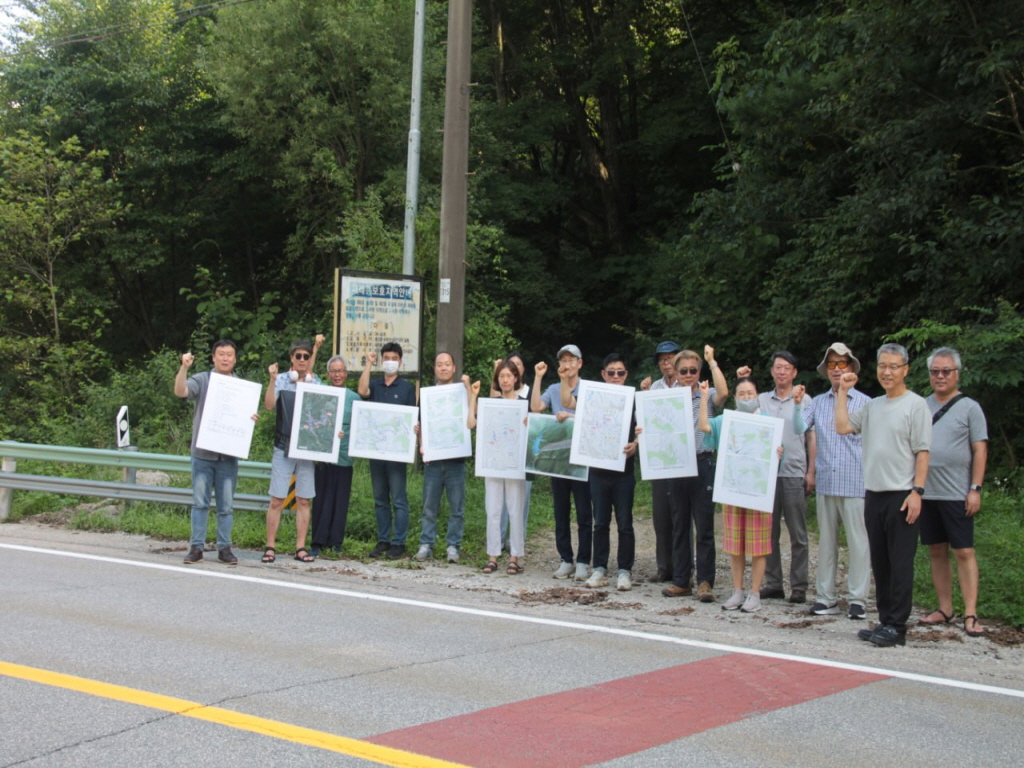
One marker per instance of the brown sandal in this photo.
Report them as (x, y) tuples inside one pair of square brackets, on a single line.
[(514, 569)]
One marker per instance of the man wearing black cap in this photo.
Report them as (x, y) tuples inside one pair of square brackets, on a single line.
[(661, 490)]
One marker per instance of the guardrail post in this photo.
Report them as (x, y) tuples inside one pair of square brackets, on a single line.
[(7, 494), (129, 473)]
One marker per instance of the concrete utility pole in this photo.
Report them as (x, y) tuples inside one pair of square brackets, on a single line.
[(451, 306), (412, 173)]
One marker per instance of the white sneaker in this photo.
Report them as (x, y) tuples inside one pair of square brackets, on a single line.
[(625, 581), (564, 571), (752, 604), (453, 554), (735, 601), (582, 571), (422, 554), (599, 578)]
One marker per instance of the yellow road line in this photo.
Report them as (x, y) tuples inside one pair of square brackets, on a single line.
[(277, 730)]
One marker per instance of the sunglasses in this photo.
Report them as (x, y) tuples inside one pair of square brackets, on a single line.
[(687, 371), (302, 355), (942, 372), (614, 373), (841, 364)]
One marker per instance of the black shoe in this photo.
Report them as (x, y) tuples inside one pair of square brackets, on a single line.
[(856, 611), (772, 594), (865, 634), (396, 551), (195, 555), (660, 576), (886, 636), (798, 596), (381, 548), (227, 557)]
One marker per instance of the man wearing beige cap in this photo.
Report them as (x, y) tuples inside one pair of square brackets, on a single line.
[(839, 481)]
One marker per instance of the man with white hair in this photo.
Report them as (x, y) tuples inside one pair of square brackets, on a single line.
[(897, 431), (952, 495)]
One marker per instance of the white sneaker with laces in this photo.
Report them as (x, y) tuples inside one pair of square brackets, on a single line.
[(599, 578), (453, 554), (624, 583), (422, 554), (564, 571), (735, 601), (752, 604), (582, 572)]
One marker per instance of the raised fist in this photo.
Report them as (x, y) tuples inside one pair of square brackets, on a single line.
[(272, 370), (187, 359)]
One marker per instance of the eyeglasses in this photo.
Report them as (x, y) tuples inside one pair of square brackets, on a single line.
[(886, 368), (336, 372), (942, 372), (841, 364), (687, 371), (302, 356), (614, 373)]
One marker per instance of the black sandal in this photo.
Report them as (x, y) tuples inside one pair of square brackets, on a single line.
[(514, 569), (946, 618), (269, 555), (491, 567), (303, 556), (973, 632)]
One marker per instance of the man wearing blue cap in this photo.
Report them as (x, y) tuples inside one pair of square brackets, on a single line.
[(661, 490)]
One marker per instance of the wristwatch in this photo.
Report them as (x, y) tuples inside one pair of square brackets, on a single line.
[(918, 490), (976, 488)]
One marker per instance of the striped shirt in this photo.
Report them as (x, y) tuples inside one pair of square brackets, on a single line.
[(839, 468)]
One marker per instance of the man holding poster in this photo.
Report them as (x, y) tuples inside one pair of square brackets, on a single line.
[(280, 398), (209, 470), (388, 477)]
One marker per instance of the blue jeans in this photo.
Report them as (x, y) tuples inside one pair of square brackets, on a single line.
[(448, 475), (611, 489), (388, 481), (209, 477), (565, 492)]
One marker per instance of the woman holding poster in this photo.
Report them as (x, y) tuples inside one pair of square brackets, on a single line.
[(333, 482), (747, 531), (504, 493)]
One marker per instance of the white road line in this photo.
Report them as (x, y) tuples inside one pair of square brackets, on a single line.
[(942, 681)]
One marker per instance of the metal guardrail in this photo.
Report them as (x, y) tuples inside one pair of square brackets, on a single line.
[(10, 480)]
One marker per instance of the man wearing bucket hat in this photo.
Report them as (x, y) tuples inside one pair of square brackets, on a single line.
[(839, 481), (661, 490)]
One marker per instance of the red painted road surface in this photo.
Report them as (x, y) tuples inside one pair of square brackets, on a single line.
[(622, 717)]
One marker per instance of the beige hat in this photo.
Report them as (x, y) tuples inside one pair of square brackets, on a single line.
[(840, 349)]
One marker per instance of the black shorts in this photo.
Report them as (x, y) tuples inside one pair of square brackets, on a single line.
[(946, 522)]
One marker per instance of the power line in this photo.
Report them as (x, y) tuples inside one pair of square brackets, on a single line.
[(99, 34)]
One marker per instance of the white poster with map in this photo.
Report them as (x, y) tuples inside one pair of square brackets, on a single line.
[(603, 416), (383, 431), (748, 460), (501, 438), (443, 429), (667, 445)]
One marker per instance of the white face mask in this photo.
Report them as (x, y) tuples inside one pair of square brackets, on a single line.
[(390, 367), (747, 406)]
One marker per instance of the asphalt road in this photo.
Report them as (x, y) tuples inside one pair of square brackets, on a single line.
[(113, 653)]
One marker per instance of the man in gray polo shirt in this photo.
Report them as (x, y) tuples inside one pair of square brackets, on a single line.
[(952, 495), (792, 486), (897, 432)]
